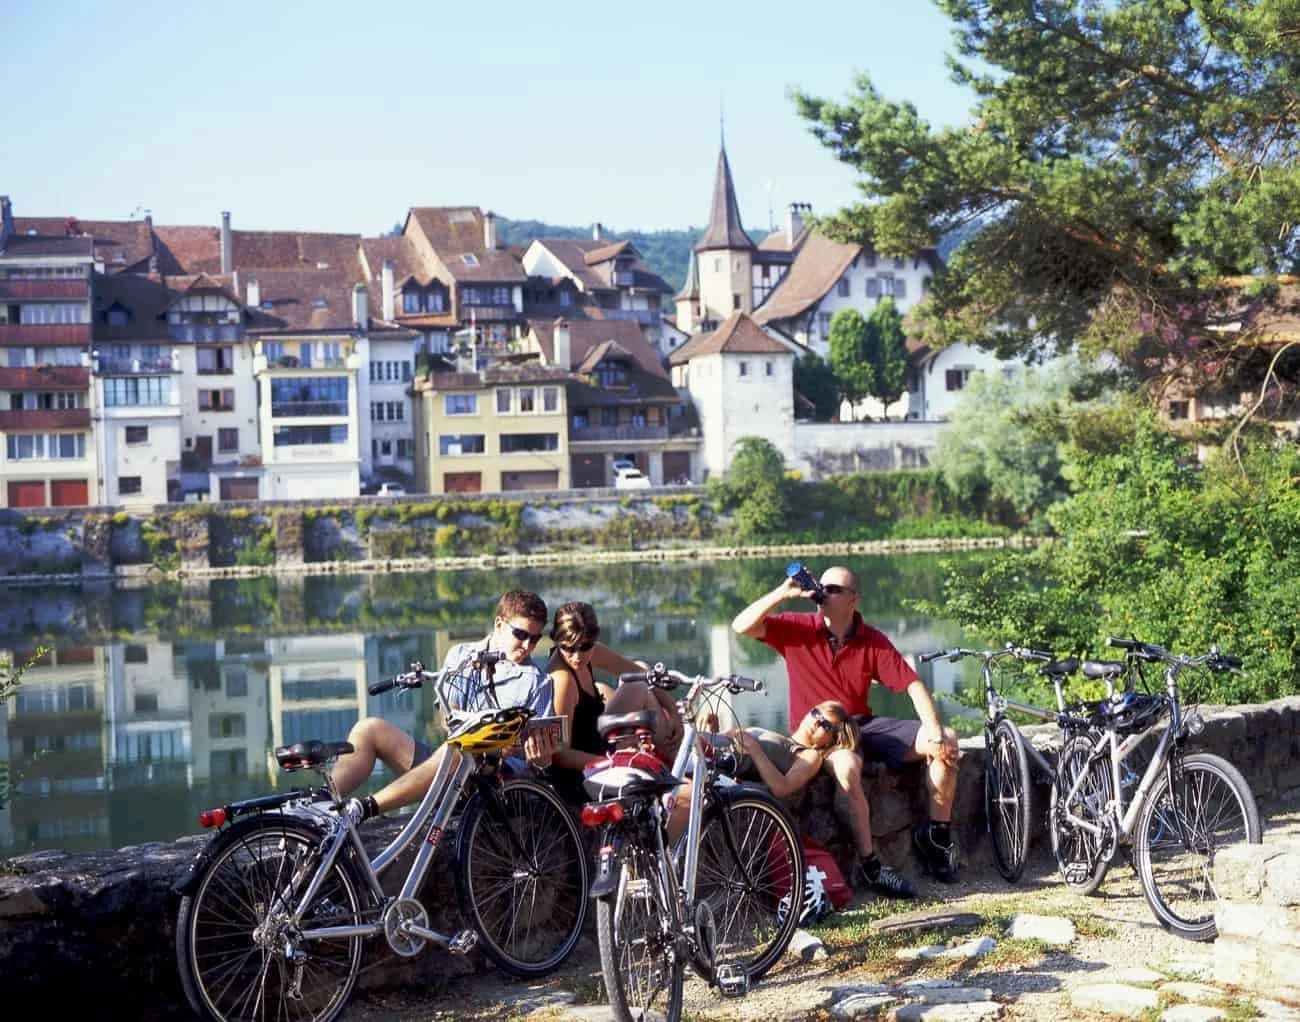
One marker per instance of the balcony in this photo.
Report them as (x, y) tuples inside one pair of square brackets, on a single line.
[(45, 378), (159, 366), (600, 434), (44, 333), (303, 409), (488, 313), (44, 418), (198, 333), (37, 290)]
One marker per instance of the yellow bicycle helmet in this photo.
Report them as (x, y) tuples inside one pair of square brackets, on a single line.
[(488, 730)]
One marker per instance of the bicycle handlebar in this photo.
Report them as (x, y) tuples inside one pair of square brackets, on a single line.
[(416, 675), (1020, 652), (660, 676), (1150, 651)]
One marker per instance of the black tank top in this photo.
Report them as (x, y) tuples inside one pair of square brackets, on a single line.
[(590, 705)]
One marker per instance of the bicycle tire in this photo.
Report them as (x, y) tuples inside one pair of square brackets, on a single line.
[(521, 876), (1008, 799), (1080, 854), (227, 971), (1215, 806), (750, 860), (643, 971)]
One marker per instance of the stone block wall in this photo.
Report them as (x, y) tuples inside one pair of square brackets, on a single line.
[(1258, 918)]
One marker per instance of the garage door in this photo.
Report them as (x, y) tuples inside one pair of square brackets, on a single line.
[(462, 482), (587, 470), (677, 465), (69, 493), (27, 493), (238, 489), (549, 480)]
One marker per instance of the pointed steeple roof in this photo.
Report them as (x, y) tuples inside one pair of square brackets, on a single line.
[(691, 289), (724, 230)]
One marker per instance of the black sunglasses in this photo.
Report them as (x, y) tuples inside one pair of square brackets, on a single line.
[(586, 647), (832, 589), (821, 720), (523, 635)]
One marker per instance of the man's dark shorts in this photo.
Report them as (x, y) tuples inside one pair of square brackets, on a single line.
[(422, 752), (886, 739)]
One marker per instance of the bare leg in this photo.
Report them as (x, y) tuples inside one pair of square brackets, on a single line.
[(940, 780), (411, 786), (846, 768), (373, 740)]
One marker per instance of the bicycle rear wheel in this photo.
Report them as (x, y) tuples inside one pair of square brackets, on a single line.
[(639, 947), (1082, 855), (239, 956), (522, 876), (1179, 832), (1008, 799), (751, 875)]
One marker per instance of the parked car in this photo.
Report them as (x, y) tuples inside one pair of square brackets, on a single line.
[(621, 465), (391, 490), (631, 479)]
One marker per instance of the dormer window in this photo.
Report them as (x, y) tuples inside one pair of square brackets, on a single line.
[(117, 315), (611, 374), (318, 303), (469, 258)]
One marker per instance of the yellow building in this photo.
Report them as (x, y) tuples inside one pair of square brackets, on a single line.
[(504, 428)]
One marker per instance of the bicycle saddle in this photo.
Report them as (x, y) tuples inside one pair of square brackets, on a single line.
[(310, 754), (1103, 668), (627, 772), (1060, 667), (487, 730), (609, 722)]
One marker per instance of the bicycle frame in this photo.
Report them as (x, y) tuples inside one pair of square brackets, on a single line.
[(996, 706)]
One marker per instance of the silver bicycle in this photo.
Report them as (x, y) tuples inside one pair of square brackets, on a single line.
[(277, 905)]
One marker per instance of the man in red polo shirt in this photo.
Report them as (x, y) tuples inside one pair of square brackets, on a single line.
[(833, 654)]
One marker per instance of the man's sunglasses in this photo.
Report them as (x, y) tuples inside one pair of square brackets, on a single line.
[(586, 647), (832, 589), (822, 721), (523, 635)]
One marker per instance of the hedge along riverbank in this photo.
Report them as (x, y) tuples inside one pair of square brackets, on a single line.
[(909, 512)]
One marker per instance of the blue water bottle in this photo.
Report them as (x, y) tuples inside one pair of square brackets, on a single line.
[(806, 582)]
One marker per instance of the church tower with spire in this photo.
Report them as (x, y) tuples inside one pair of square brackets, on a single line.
[(724, 256)]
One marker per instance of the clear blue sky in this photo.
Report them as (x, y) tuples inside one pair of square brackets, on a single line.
[(338, 116)]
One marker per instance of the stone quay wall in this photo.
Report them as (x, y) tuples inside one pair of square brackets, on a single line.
[(1258, 918), (77, 929)]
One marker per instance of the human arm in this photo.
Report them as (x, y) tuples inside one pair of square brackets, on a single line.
[(932, 734), (752, 621), (605, 659), (805, 767)]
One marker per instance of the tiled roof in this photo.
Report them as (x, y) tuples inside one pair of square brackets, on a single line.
[(183, 250), (144, 297), (738, 335), (587, 334), (30, 245), (455, 233), (605, 251), (592, 263), (119, 244), (691, 289), (302, 300), (777, 241), (198, 250), (724, 230), (816, 269)]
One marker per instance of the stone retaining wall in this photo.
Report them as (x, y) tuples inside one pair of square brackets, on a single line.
[(1258, 918), (75, 930)]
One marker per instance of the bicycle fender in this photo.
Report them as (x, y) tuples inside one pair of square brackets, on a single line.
[(188, 882)]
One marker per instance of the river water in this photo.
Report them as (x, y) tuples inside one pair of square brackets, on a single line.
[(157, 701)]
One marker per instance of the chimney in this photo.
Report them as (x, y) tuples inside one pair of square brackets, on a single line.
[(360, 306), (561, 345), (596, 229), (390, 297), (227, 245), (153, 247), (794, 221), (489, 230), (6, 220), (254, 294)]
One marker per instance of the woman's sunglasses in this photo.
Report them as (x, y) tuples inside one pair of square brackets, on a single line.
[(523, 635), (586, 647), (822, 721)]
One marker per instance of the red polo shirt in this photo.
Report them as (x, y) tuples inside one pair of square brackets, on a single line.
[(815, 676)]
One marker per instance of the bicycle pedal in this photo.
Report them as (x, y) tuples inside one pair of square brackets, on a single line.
[(463, 943), (732, 982)]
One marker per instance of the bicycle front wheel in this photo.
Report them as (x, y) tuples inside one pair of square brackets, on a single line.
[(1180, 830), (1007, 799), (522, 876), (1081, 792), (751, 875), (240, 955), (639, 948)]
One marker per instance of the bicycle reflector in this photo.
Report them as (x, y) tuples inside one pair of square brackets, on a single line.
[(212, 818), (596, 814), (1193, 723)]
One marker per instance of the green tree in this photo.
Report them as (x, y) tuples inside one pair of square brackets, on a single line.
[(886, 350), (848, 353), (756, 486), (10, 678), (815, 380), (1126, 161)]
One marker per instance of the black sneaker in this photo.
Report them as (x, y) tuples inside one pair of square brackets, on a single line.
[(889, 882), (938, 861)]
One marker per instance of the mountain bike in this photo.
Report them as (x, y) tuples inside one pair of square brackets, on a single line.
[(276, 906), (1008, 796), (1186, 806), (726, 899)]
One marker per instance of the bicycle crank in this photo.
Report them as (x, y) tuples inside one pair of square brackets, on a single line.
[(401, 919)]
